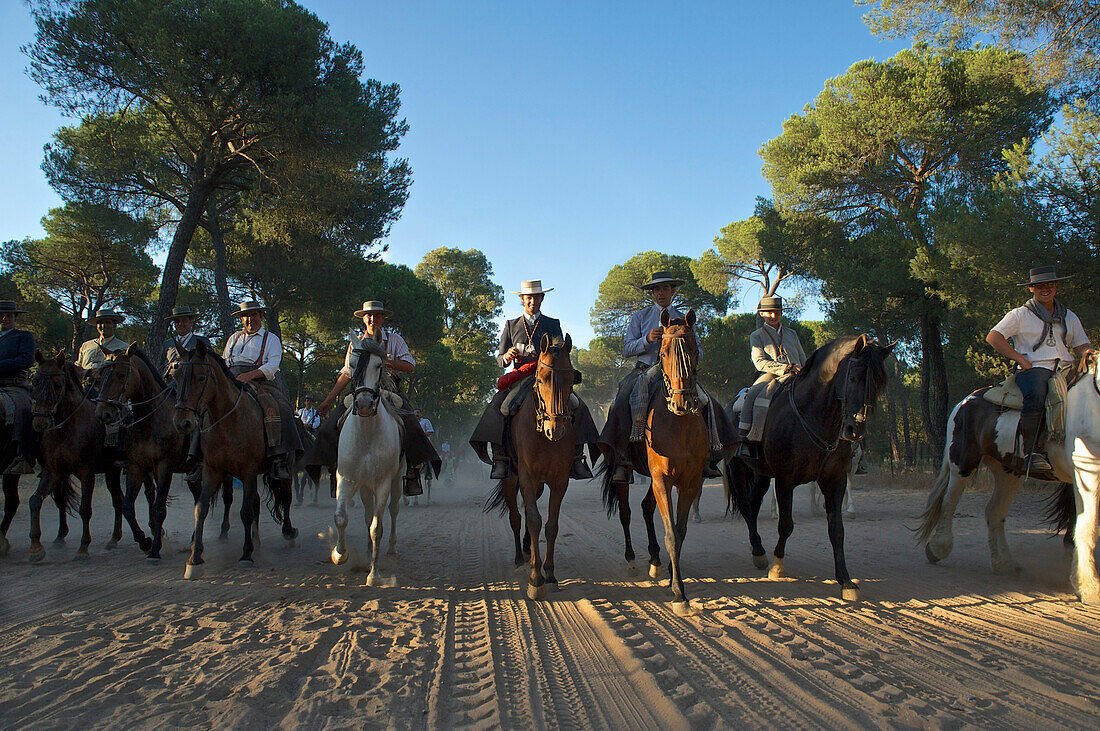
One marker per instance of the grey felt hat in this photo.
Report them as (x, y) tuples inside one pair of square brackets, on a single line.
[(180, 312), (1042, 275), (108, 315), (373, 306), (10, 306), (662, 278), (248, 306), (532, 286), (770, 304)]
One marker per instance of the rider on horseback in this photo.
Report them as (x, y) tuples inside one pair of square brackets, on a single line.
[(16, 359), (95, 353), (519, 348), (253, 355), (1044, 334), (173, 350), (777, 354), (418, 449)]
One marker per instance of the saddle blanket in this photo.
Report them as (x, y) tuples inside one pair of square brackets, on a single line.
[(647, 388), (517, 395), (1007, 395)]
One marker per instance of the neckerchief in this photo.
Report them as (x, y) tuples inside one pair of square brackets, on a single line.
[(531, 330), (1050, 319)]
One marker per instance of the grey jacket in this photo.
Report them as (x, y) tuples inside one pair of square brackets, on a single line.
[(773, 353)]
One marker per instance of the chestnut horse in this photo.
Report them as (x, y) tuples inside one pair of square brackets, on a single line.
[(542, 440), (132, 391), (72, 445), (230, 422)]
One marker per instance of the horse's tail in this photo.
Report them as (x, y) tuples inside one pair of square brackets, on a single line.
[(66, 496), (735, 481), (273, 501), (496, 499), (934, 509), (1061, 510), (610, 493)]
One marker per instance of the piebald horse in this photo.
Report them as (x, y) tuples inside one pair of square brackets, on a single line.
[(815, 420), (978, 433), (370, 462), (542, 437)]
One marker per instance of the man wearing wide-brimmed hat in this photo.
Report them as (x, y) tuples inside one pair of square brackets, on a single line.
[(643, 343), (416, 445), (519, 343), (254, 355), (777, 354), (1039, 336), (16, 358), (94, 353), (175, 347)]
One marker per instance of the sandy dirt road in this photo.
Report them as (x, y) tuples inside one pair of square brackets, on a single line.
[(297, 642)]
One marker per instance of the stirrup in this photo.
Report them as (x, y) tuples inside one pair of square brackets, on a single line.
[(500, 470), (195, 473), (580, 470), (412, 486), (1037, 463), (279, 469), (711, 470), (623, 472), (747, 450)]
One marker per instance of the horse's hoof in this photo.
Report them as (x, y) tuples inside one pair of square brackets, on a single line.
[(223, 536), (536, 593), (82, 554), (5, 546), (776, 572), (339, 558), (1005, 567), (291, 534), (850, 593), (392, 551), (193, 571), (110, 545), (145, 545), (631, 568), (760, 562), (152, 560), (654, 571), (36, 556), (59, 541), (932, 558), (698, 518), (682, 609), (1090, 597)]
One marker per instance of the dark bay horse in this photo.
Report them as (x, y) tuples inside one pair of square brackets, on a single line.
[(542, 439), (230, 422), (677, 447), (813, 424), (132, 391), (72, 445), (10, 484)]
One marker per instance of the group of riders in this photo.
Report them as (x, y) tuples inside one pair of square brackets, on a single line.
[(1040, 337)]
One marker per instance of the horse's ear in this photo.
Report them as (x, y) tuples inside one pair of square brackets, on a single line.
[(862, 342), (200, 347), (889, 348), (691, 318), (38, 356), (546, 343), (665, 319), (568, 344), (60, 358), (131, 350)]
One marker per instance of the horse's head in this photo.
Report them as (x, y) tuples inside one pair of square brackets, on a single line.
[(196, 386), (859, 378), (554, 376), (53, 379), (118, 383), (679, 360), (368, 375)]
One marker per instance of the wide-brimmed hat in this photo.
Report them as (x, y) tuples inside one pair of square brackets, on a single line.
[(373, 306), (248, 306), (532, 286), (108, 315), (770, 304), (1042, 275), (308, 397), (181, 312), (662, 278), (10, 306)]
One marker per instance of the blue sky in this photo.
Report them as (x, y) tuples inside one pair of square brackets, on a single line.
[(560, 138)]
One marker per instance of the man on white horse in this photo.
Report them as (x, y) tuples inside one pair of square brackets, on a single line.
[(416, 445), (1041, 335)]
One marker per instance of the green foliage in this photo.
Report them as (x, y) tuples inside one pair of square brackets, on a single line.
[(52, 329), (603, 366), (621, 294)]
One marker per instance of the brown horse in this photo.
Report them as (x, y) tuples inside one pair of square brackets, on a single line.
[(72, 445), (131, 391), (230, 422), (542, 441)]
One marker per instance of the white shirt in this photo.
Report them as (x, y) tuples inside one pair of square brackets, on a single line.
[(395, 346), (641, 322), (309, 417), (243, 349), (426, 426), (1024, 328)]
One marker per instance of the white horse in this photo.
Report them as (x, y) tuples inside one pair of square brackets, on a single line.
[(980, 433), (370, 462)]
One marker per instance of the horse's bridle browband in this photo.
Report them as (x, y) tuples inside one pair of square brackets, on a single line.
[(52, 413), (544, 416), (685, 377), (202, 414), (128, 406)]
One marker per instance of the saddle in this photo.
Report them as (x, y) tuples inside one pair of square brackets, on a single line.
[(1008, 396), (647, 389), (518, 393)]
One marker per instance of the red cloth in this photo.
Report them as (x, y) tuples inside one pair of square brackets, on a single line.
[(506, 381)]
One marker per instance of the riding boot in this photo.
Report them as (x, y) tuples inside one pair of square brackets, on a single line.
[(501, 467), (278, 469), (745, 448), (192, 463), (623, 471), (1035, 461), (580, 470), (712, 470), (412, 482)]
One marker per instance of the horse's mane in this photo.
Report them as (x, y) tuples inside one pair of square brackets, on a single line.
[(157, 378), (824, 362), (69, 368), (220, 361)]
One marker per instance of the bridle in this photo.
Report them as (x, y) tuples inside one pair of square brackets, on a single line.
[(51, 415), (559, 407), (685, 373), (126, 407), (374, 392), (859, 417), (201, 414)]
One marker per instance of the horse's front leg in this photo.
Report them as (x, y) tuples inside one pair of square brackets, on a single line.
[(227, 506), (536, 583), (622, 491), (649, 505), (290, 533), (784, 496), (1086, 481), (394, 507), (377, 529), (758, 490), (158, 510), (11, 505), (832, 492), (45, 486), (1005, 487), (515, 521), (112, 477), (134, 484), (250, 516), (662, 492), (345, 490), (210, 482), (942, 503), (557, 494)]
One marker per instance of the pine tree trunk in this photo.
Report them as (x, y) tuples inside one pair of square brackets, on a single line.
[(173, 266), (891, 409), (221, 276), (933, 383)]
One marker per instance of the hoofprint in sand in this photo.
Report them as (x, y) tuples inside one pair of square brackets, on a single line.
[(295, 641)]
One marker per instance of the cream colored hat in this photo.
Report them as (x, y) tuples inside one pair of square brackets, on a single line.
[(532, 286), (373, 306)]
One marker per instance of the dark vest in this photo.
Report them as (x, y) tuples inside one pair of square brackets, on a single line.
[(16, 355), (515, 333)]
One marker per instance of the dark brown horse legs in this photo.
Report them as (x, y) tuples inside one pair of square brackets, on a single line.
[(515, 520), (250, 515), (113, 479), (37, 553), (554, 509), (11, 505), (622, 489), (536, 584), (202, 508), (87, 489), (834, 497), (784, 499), (649, 506), (134, 484)]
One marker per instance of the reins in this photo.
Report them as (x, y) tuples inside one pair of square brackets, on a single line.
[(52, 413), (120, 405), (860, 416), (206, 410)]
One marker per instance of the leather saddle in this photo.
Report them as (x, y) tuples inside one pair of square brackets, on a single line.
[(1008, 396)]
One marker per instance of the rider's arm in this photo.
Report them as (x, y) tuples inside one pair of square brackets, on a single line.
[(1001, 345), (503, 350), (23, 357), (635, 341), (402, 359), (763, 361), (341, 381)]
